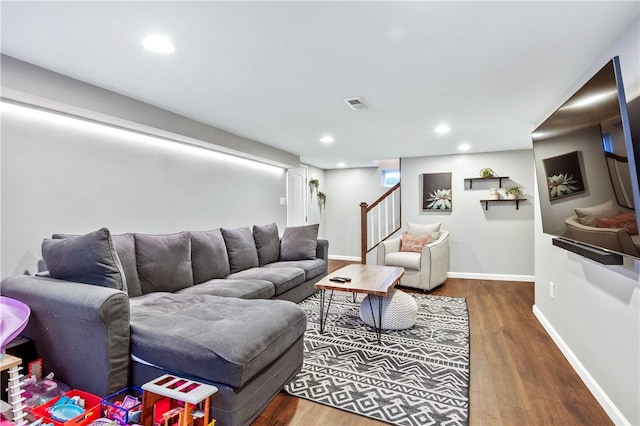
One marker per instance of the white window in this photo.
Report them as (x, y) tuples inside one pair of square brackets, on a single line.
[(390, 178)]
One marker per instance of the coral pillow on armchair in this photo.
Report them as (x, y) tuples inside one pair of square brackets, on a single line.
[(412, 243), (627, 221)]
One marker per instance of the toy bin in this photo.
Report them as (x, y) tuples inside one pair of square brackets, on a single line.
[(124, 406), (89, 413)]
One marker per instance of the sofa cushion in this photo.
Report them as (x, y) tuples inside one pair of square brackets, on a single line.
[(311, 268), (208, 255), (89, 259), (404, 259), (587, 215), (219, 339), (164, 262), (267, 243), (243, 289), (241, 248), (126, 249), (283, 279), (299, 242)]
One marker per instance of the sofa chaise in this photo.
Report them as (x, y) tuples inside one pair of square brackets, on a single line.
[(214, 306)]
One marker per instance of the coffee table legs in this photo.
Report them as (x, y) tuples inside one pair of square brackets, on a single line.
[(377, 326), (323, 314)]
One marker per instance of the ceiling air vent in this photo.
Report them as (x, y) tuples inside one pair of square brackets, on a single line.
[(356, 104)]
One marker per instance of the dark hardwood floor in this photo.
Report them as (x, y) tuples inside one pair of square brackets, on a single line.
[(518, 375)]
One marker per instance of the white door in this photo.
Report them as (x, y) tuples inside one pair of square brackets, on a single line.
[(297, 190)]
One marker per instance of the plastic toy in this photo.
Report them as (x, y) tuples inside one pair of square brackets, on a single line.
[(190, 401), (103, 421), (65, 412), (14, 316), (123, 406), (12, 364)]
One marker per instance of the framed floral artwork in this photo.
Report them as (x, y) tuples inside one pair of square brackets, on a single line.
[(436, 192), (564, 178)]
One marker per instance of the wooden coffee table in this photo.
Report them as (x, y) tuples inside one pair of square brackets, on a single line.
[(374, 280)]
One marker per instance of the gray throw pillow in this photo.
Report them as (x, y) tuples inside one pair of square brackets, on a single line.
[(89, 259), (126, 248), (208, 256), (267, 243), (124, 245), (164, 262), (241, 249), (299, 242)]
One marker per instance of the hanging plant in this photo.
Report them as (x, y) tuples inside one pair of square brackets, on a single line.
[(313, 186), (322, 199)]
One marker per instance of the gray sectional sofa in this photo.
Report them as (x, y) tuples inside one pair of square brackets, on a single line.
[(214, 306)]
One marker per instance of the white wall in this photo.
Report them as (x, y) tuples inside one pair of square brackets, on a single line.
[(346, 189), (482, 241), (495, 243), (316, 215), (62, 178), (595, 314), (28, 83)]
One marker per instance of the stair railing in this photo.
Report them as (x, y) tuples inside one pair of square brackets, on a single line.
[(379, 220)]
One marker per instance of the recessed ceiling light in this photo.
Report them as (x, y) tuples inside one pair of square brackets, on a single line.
[(464, 147), (442, 129), (159, 44), (340, 164), (327, 139)]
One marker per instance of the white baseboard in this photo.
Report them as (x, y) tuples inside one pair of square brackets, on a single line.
[(349, 258), (462, 275), (609, 407), (494, 277)]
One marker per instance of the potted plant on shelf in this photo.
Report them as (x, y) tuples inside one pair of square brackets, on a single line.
[(513, 192), (486, 173), (313, 186)]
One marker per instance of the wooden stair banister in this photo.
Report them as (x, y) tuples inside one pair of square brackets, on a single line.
[(365, 209)]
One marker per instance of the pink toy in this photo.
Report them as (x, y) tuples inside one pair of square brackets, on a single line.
[(14, 316)]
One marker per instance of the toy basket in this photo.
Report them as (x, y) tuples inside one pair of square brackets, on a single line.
[(90, 412), (124, 406)]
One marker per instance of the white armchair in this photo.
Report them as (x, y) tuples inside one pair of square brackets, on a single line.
[(425, 270)]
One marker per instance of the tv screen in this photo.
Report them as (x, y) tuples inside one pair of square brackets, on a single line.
[(586, 157)]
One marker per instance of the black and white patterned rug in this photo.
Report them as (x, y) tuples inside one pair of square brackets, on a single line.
[(418, 376)]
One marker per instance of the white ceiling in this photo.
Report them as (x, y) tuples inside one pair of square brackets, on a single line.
[(278, 72)]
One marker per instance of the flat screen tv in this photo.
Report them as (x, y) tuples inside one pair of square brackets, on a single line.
[(586, 158)]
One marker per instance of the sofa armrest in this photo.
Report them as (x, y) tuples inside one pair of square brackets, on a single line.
[(386, 247), (437, 249), (80, 330), (434, 261), (322, 250)]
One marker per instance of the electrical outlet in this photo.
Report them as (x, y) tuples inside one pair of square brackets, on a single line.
[(552, 288)]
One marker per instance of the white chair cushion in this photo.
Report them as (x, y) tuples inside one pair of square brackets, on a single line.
[(407, 260)]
